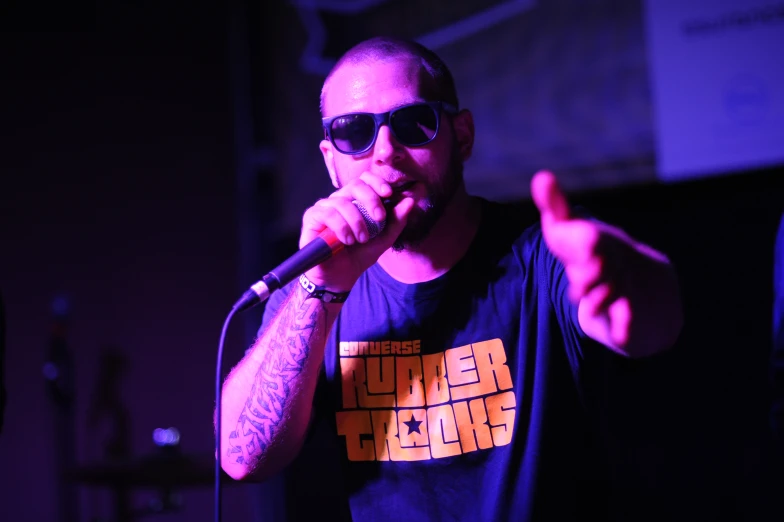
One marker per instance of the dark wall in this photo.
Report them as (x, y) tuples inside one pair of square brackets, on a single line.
[(118, 191)]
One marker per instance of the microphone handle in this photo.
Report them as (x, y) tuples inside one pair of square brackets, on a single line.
[(313, 254)]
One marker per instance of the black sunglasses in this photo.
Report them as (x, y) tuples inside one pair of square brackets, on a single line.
[(412, 125)]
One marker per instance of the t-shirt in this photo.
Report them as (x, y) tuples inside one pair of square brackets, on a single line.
[(468, 397)]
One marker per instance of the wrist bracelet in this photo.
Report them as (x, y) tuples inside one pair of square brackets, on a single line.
[(321, 293)]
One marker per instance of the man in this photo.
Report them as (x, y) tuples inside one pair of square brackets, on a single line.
[(451, 383)]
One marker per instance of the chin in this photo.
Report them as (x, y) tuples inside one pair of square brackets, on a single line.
[(418, 228)]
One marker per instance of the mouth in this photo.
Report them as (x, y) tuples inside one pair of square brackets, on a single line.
[(403, 188)]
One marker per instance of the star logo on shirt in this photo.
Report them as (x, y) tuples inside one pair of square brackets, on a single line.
[(413, 425)]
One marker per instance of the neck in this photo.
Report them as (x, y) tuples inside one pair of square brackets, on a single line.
[(446, 244)]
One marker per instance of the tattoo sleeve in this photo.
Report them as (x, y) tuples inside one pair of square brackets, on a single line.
[(288, 344)]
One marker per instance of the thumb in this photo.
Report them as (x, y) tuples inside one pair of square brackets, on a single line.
[(549, 198)]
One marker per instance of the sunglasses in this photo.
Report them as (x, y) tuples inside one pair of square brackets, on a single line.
[(411, 125)]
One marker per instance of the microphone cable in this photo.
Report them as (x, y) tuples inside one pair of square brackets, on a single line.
[(218, 386)]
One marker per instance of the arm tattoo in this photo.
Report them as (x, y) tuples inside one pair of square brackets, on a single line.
[(288, 347)]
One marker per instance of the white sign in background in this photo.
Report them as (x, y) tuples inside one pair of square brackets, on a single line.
[(717, 73)]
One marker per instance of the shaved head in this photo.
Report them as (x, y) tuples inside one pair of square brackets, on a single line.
[(439, 84)]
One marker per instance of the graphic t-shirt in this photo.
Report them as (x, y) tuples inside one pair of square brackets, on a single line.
[(461, 398)]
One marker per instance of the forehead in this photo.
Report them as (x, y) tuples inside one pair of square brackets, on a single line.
[(376, 86)]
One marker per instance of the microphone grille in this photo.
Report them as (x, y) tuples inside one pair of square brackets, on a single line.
[(374, 227)]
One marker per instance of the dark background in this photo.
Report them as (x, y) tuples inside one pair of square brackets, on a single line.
[(142, 179)]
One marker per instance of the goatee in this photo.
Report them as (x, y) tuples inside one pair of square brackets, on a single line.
[(439, 195)]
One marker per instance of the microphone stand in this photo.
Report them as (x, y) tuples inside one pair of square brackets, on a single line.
[(59, 374)]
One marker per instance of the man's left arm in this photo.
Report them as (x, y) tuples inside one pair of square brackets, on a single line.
[(628, 293)]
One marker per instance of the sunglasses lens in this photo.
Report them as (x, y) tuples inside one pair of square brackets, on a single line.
[(414, 125), (353, 132)]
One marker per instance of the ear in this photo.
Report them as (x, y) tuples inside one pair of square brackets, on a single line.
[(329, 160), (463, 123)]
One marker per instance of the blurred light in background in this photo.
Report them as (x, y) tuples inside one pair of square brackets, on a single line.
[(166, 437)]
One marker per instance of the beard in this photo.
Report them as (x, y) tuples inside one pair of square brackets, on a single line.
[(439, 194)]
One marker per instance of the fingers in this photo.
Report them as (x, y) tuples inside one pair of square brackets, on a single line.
[(598, 299), (598, 282), (369, 190), (397, 218), (603, 303), (340, 214), (591, 256), (549, 198), (373, 202), (585, 277), (574, 241), (620, 313)]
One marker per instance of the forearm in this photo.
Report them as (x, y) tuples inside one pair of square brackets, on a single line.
[(268, 397)]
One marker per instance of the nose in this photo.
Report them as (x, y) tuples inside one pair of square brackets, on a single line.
[(386, 150)]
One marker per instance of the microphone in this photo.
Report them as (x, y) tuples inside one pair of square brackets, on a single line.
[(313, 254)]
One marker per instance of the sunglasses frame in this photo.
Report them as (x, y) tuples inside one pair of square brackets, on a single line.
[(383, 118)]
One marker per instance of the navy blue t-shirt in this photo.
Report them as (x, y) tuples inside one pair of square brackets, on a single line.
[(468, 397)]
